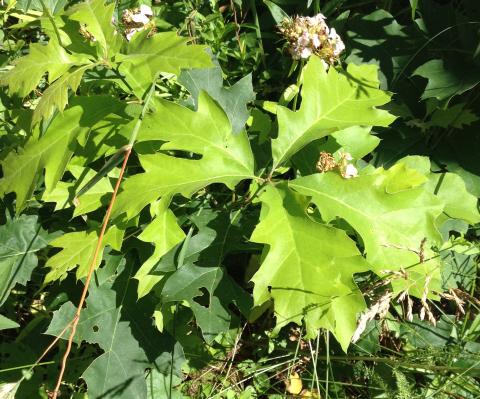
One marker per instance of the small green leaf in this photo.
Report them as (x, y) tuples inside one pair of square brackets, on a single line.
[(96, 15), (77, 250), (456, 116), (277, 13), (56, 95), (459, 203)]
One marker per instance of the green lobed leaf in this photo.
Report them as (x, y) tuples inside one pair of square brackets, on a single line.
[(20, 238), (165, 52), (218, 234), (331, 101), (392, 212), (446, 81), (212, 314), (456, 116), (307, 268), (96, 15), (77, 250), (164, 232), (232, 99), (119, 371), (225, 158), (53, 150), (56, 95), (459, 203), (449, 187), (64, 192), (28, 70)]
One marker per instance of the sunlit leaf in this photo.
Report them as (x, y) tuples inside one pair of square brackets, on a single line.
[(307, 268), (330, 101), (225, 157)]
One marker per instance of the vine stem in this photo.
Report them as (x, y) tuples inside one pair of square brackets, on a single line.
[(76, 318)]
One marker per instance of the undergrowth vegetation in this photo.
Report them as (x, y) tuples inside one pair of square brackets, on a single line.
[(297, 211)]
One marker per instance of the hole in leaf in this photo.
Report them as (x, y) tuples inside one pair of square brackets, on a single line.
[(95, 328), (204, 299)]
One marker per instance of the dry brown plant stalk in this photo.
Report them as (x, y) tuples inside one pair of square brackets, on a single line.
[(74, 323)]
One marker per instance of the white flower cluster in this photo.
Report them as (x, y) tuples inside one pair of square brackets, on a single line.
[(137, 19), (311, 35)]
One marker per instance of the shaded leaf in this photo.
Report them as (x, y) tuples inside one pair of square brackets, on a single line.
[(217, 235), (232, 99), (214, 316), (20, 238), (459, 268), (118, 372), (456, 116), (377, 38), (446, 81)]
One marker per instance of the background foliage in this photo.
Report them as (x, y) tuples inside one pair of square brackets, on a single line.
[(233, 267)]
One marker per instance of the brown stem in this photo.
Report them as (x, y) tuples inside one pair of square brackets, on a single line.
[(76, 318)]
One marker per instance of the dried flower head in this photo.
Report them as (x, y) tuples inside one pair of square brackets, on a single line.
[(452, 296), (326, 162), (86, 34), (311, 35), (379, 308), (137, 19), (425, 310)]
